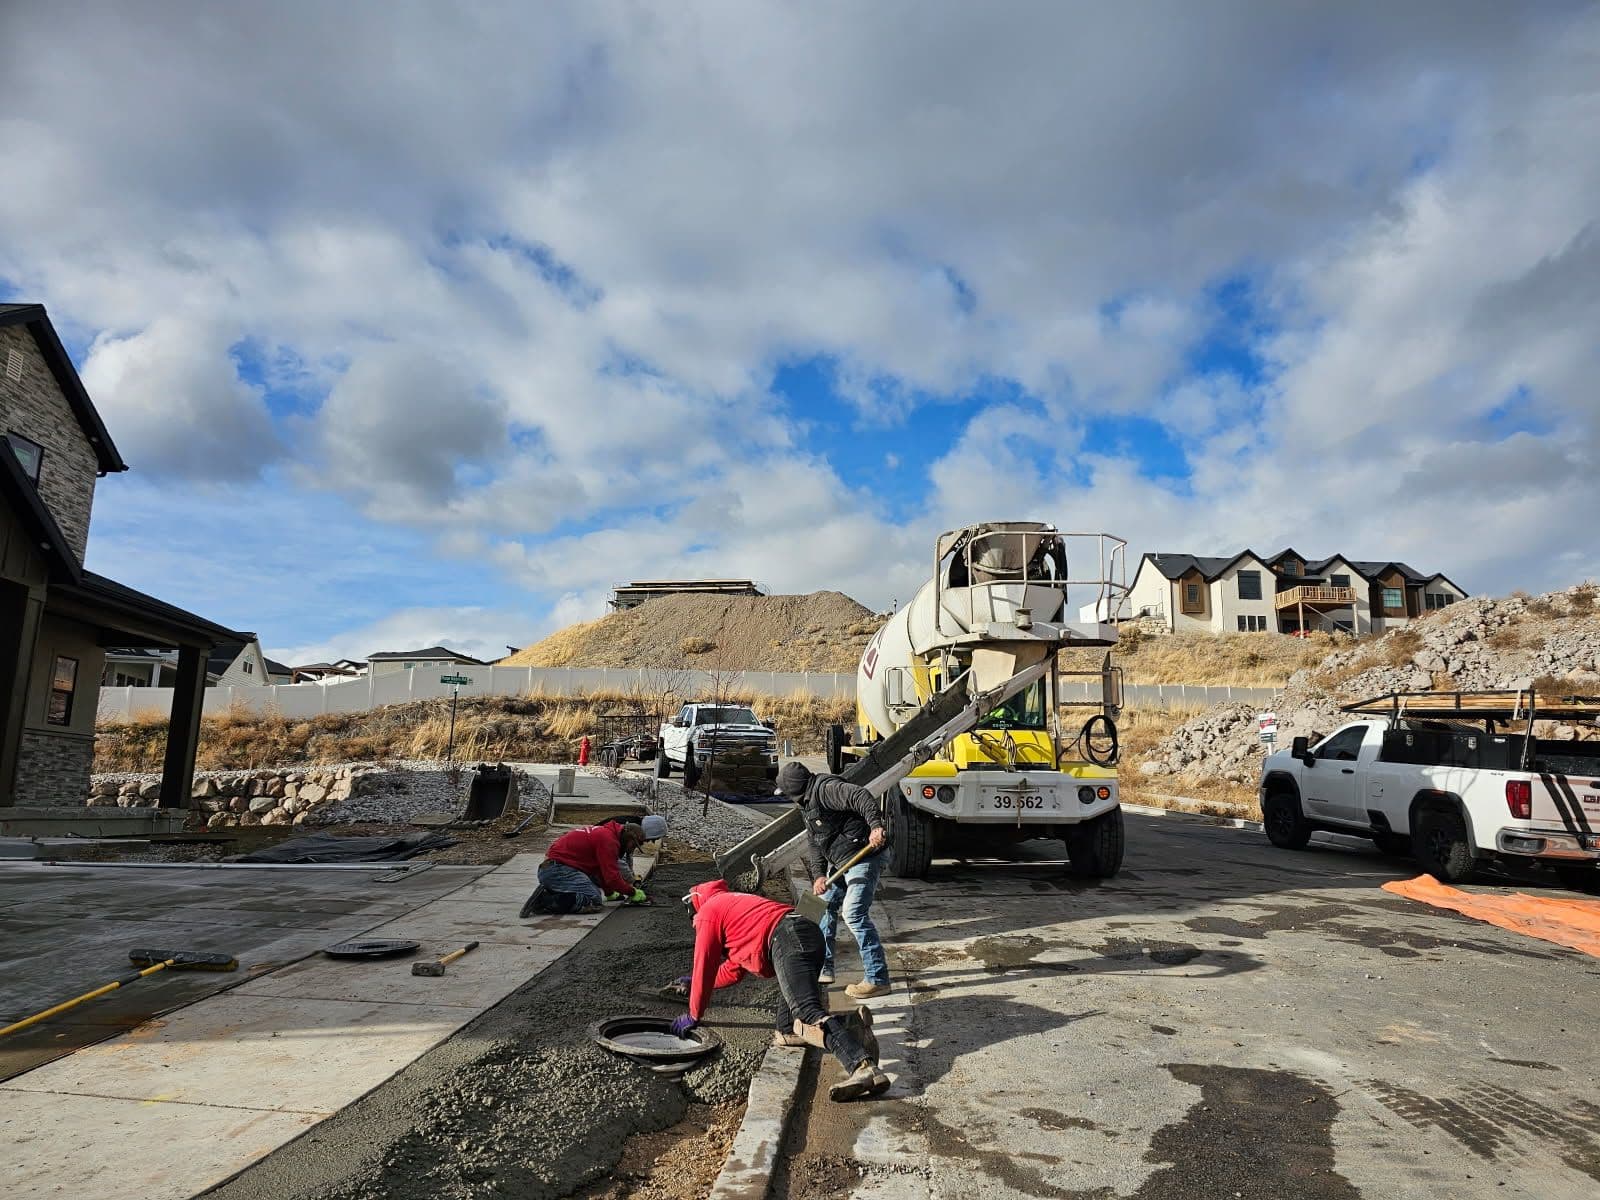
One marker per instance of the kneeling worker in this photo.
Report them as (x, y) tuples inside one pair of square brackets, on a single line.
[(581, 866), (737, 933)]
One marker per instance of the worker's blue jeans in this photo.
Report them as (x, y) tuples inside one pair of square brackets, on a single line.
[(559, 877), (851, 898)]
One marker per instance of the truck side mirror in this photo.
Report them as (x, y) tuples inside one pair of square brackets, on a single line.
[(1300, 748), (770, 724)]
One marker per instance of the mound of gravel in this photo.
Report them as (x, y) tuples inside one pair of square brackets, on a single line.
[(409, 789), (822, 631), (1478, 644)]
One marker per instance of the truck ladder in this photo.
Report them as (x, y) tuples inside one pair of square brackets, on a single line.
[(948, 715)]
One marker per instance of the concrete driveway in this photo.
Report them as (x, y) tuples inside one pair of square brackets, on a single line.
[(1221, 1020)]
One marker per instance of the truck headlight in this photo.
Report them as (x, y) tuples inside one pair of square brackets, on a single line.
[(947, 794), (1086, 795)]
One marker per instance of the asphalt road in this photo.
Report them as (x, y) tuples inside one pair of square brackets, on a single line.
[(1223, 1019)]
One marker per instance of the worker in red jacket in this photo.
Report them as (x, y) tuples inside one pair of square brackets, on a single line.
[(581, 867), (737, 934)]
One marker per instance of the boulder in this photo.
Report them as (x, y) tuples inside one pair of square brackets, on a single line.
[(291, 805), (105, 787), (300, 818), (249, 818), (238, 804), (103, 800), (313, 793), (1154, 768), (275, 786), (261, 804), (217, 820), (256, 787), (291, 789), (148, 790), (277, 817)]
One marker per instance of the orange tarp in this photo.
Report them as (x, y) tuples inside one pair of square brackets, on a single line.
[(1567, 922)]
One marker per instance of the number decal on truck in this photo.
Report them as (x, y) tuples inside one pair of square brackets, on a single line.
[(1025, 801)]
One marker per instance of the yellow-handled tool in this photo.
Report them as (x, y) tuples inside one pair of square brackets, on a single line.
[(811, 906), (437, 968), (158, 960)]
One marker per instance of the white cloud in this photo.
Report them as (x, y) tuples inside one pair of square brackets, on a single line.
[(479, 633)]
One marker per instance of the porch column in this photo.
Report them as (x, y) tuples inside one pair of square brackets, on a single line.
[(183, 727), (20, 610)]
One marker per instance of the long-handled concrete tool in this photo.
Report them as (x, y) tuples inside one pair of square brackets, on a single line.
[(810, 905), (152, 961), (437, 968)]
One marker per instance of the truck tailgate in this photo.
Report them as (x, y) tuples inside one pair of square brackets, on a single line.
[(1571, 802)]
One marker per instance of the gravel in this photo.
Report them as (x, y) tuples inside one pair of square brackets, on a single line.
[(419, 786)]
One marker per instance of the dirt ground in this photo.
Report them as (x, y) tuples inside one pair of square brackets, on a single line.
[(522, 1103)]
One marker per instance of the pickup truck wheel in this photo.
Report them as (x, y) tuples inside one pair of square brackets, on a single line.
[(1396, 845), (1286, 826), (1095, 847), (663, 765), (691, 769), (833, 746), (910, 840), (1442, 847)]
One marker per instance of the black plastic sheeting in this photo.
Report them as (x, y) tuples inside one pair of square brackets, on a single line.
[(331, 848)]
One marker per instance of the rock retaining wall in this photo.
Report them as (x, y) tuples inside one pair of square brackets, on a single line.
[(269, 797)]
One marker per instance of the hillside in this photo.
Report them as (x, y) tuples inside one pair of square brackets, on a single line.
[(822, 631)]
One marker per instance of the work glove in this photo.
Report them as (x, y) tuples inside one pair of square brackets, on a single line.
[(683, 1025), (638, 896)]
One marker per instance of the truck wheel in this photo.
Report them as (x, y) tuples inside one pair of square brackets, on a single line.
[(1095, 847), (833, 741), (910, 840), (1395, 845), (663, 765), (1286, 826), (1442, 847), (691, 769)]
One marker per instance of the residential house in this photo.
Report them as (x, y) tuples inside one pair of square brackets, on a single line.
[(278, 673), (433, 657), (55, 617), (238, 663), (231, 662), (1284, 592), (344, 668)]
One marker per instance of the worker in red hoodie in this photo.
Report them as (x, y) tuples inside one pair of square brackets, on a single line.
[(737, 934), (582, 866)]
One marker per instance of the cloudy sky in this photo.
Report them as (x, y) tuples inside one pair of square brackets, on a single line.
[(432, 321)]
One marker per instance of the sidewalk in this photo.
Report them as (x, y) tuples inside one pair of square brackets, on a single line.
[(185, 1101)]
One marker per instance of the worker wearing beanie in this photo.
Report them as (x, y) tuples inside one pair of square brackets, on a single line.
[(736, 934), (841, 820), (651, 829)]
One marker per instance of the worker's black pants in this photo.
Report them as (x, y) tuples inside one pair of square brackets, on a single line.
[(797, 950)]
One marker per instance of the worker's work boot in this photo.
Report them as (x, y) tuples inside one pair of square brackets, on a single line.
[(826, 976), (865, 1080), (865, 990), (787, 1041), (863, 1023), (534, 903), (810, 1035)]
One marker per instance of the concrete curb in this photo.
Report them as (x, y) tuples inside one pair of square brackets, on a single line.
[(754, 1154), (1147, 810)]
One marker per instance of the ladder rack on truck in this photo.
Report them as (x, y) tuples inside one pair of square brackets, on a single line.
[(949, 714)]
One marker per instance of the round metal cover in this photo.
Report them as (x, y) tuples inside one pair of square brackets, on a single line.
[(651, 1039), (372, 948)]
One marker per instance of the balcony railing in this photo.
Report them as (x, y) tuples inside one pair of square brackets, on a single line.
[(1316, 596)]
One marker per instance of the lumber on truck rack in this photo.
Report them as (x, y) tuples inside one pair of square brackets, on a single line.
[(948, 714), (1506, 707)]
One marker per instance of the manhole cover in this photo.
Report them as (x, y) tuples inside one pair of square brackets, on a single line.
[(371, 948), (651, 1039)]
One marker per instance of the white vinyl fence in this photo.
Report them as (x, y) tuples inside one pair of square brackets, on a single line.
[(373, 691)]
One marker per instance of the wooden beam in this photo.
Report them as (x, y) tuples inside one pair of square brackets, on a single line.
[(183, 727), (20, 611)]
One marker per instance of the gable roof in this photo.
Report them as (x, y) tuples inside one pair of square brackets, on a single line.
[(432, 652), (274, 667), (23, 499), (66, 376), (1175, 566), (1371, 570)]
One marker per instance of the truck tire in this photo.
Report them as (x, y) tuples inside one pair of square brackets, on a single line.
[(1395, 845), (833, 741), (663, 764), (1095, 847), (691, 769), (1286, 826), (910, 840), (1442, 846)]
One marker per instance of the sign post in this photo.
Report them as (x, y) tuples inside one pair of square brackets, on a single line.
[(455, 693), (1267, 723)]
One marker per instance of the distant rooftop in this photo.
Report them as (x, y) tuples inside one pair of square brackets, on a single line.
[(631, 595)]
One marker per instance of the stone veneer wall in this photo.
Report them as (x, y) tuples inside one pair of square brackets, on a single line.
[(272, 797), (53, 768)]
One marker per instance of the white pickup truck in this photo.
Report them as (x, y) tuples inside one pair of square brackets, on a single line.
[(731, 735), (1419, 781)]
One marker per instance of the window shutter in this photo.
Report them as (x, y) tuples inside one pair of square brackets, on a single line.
[(13, 366)]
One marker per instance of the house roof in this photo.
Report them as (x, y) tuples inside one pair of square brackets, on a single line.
[(121, 607), (1175, 566), (223, 655), (274, 667), (66, 376), (1371, 570), (432, 652), (24, 500)]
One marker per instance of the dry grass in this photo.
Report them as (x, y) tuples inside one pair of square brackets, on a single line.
[(1227, 659), (532, 728)]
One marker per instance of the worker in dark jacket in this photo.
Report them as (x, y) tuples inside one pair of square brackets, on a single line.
[(841, 820), (737, 934)]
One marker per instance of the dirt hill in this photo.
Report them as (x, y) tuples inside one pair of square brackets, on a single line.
[(1549, 642), (822, 631)]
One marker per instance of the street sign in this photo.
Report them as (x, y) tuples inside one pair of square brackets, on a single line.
[(458, 680), (1267, 722)]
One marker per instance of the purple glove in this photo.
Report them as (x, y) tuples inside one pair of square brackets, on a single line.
[(683, 1025), (684, 981)]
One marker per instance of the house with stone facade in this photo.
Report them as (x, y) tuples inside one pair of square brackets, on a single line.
[(1284, 592), (56, 618)]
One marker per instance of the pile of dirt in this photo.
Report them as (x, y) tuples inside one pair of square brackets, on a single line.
[(822, 631), (1549, 642)]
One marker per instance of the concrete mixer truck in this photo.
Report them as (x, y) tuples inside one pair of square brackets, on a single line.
[(962, 706)]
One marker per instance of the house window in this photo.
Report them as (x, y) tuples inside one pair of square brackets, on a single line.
[(410, 666), (1249, 585), (63, 683), (28, 452), (1437, 599), (1192, 602), (1252, 624), (1291, 566), (1393, 600), (1339, 581), (249, 668)]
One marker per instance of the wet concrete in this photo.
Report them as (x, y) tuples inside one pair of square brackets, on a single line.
[(521, 1102)]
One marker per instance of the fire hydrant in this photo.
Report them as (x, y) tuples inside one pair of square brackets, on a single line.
[(583, 751)]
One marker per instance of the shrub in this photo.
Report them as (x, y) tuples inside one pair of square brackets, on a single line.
[(1582, 599), (1400, 647), (697, 645)]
